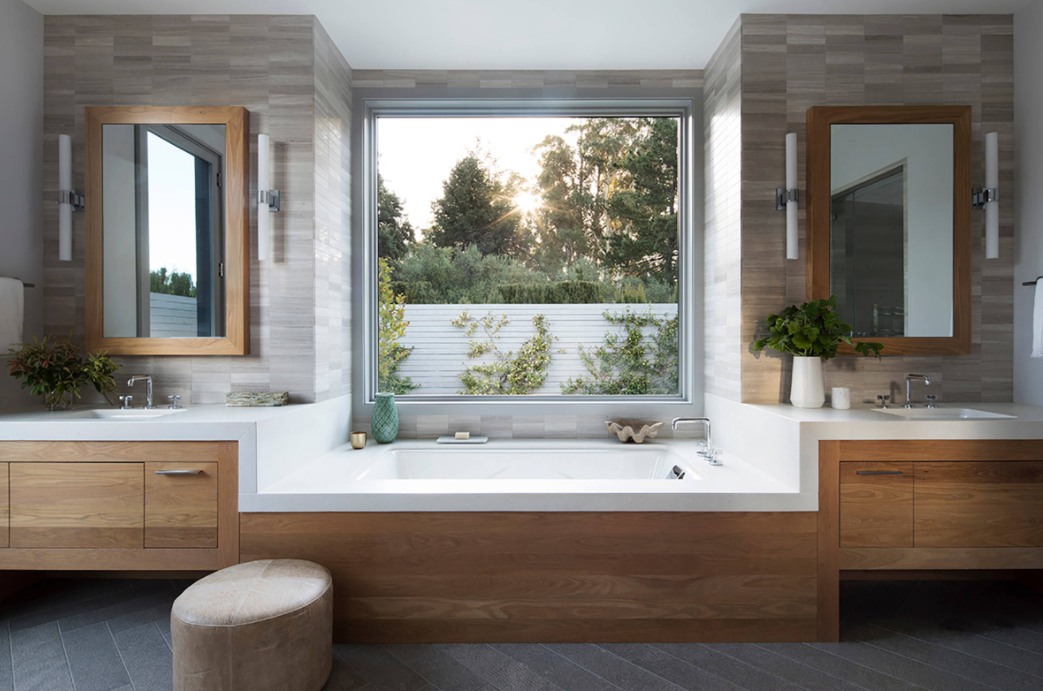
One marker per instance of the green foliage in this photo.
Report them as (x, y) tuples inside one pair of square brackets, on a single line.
[(559, 293), (444, 275), (54, 369), (391, 327), (812, 329), (504, 373), (625, 364), (394, 233), (174, 283), (611, 198), (476, 209)]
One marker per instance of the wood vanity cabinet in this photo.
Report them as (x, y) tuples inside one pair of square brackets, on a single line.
[(120, 505), (926, 505)]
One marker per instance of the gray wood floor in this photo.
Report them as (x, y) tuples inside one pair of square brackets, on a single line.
[(105, 635)]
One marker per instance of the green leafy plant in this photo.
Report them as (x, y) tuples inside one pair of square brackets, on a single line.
[(391, 327), (812, 329), (54, 369), (507, 373), (626, 364)]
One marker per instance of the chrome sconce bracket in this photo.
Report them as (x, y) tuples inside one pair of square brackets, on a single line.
[(784, 195), (270, 198), (982, 196), (72, 198)]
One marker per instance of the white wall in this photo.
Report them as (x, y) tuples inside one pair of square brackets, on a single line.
[(21, 184), (1028, 180)]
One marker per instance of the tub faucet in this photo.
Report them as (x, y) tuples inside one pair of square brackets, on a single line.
[(909, 379), (148, 387), (707, 452)]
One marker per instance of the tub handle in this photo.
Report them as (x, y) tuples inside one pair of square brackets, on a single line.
[(879, 472)]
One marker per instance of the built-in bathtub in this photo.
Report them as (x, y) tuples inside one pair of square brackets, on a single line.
[(542, 540), (526, 475)]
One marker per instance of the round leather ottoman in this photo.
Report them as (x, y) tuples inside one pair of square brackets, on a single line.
[(256, 626)]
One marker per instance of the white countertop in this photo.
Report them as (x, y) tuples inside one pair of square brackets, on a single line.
[(198, 423)]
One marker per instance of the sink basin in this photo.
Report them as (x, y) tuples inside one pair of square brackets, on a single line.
[(134, 413), (945, 414)]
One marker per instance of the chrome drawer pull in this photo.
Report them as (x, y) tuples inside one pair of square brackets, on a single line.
[(178, 472), (879, 472)]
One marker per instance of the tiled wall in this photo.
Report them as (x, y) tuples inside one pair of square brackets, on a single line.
[(281, 69), (722, 227), (790, 63)]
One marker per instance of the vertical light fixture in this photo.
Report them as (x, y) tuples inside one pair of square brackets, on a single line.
[(68, 200), (268, 199), (787, 198), (991, 196)]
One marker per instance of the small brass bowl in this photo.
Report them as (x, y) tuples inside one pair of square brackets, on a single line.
[(358, 440)]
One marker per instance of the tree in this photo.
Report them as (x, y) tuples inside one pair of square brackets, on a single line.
[(174, 283), (394, 232), (391, 327), (611, 197), (476, 209), (644, 210)]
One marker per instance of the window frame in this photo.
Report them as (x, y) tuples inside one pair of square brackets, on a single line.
[(371, 104)]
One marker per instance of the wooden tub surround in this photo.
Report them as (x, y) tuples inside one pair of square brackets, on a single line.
[(555, 577), (925, 505)]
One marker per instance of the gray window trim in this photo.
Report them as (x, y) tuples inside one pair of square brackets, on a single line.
[(371, 103)]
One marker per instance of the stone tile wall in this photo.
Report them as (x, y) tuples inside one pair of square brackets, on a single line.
[(281, 69), (792, 62)]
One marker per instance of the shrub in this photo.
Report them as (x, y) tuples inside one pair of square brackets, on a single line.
[(391, 327)]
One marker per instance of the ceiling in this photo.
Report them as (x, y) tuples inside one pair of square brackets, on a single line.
[(526, 34)]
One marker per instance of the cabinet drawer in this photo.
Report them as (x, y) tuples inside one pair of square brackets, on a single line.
[(971, 504), (181, 505), (81, 505), (876, 504)]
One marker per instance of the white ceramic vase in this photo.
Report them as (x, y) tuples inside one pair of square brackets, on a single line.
[(806, 390)]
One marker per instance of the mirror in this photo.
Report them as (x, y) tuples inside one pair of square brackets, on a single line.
[(889, 222), (167, 223)]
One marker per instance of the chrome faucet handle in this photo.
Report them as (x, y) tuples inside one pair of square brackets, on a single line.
[(883, 400), (932, 400), (175, 401), (126, 402)]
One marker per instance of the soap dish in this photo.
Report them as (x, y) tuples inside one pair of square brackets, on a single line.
[(633, 430), (450, 439)]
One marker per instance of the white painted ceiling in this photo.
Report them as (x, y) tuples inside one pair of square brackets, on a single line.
[(527, 34)]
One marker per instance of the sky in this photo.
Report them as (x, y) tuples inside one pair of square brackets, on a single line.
[(172, 213), (416, 154)]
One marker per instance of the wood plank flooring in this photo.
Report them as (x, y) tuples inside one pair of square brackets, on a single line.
[(114, 635)]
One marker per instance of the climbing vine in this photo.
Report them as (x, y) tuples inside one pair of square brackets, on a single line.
[(503, 373), (626, 364)]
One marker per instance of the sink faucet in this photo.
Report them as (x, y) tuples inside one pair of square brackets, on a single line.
[(909, 379), (148, 387), (707, 452)]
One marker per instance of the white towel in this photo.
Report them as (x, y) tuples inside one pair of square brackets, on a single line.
[(1037, 321), (12, 309)]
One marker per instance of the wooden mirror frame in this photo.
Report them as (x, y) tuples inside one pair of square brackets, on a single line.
[(236, 230), (819, 121)]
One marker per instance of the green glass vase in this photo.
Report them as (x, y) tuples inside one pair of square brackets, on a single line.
[(385, 418)]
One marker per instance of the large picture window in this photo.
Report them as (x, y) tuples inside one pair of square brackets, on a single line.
[(528, 254)]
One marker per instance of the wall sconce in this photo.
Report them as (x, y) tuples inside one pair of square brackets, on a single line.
[(787, 198), (68, 200), (268, 199), (989, 198)]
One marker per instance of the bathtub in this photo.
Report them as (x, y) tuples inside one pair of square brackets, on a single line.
[(525, 475), (507, 462)]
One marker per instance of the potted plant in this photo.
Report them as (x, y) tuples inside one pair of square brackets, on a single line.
[(811, 332), (54, 369)]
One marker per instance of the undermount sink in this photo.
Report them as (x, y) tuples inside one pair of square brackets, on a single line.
[(944, 414), (134, 413)]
